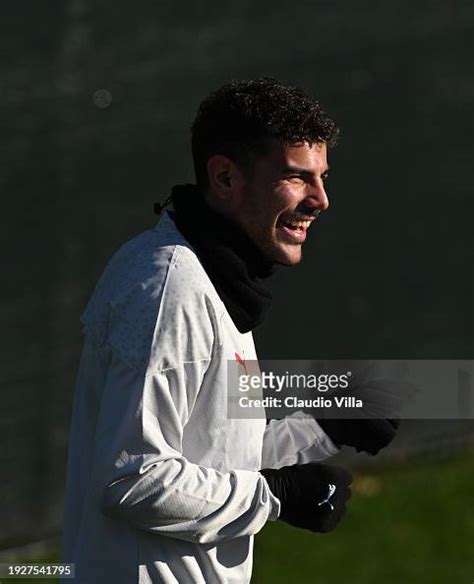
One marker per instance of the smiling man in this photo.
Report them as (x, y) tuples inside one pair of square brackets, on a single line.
[(280, 199), (162, 486)]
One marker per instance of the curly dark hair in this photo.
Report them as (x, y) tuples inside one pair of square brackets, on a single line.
[(238, 120)]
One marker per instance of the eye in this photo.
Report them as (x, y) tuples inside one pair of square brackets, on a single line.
[(294, 178)]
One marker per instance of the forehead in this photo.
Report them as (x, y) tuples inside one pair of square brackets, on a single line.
[(302, 155)]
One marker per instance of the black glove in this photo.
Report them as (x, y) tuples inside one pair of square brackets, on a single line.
[(313, 496), (375, 425), (368, 435)]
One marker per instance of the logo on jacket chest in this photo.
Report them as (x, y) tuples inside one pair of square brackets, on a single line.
[(241, 360)]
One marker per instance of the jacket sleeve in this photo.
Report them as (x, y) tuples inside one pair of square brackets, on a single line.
[(296, 439), (144, 478)]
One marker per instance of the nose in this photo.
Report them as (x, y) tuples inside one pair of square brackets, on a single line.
[(316, 197)]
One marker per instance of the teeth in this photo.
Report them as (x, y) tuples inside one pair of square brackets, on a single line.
[(296, 223)]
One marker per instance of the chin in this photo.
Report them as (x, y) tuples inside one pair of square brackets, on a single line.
[(278, 253), (286, 258), (290, 261)]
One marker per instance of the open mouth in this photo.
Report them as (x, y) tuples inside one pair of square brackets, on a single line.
[(294, 229)]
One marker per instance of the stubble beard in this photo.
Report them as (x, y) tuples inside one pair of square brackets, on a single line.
[(266, 239)]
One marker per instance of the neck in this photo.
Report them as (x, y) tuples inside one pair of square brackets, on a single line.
[(233, 262), (215, 204)]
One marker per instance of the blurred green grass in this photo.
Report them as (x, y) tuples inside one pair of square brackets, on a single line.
[(410, 524)]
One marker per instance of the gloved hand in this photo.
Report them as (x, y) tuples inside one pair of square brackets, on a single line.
[(374, 426), (368, 435), (313, 496)]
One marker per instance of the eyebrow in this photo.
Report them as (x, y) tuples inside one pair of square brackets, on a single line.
[(302, 171)]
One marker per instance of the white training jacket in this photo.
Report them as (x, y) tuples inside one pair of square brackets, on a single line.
[(161, 486)]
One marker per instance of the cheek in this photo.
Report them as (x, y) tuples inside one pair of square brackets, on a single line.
[(284, 198), (263, 204)]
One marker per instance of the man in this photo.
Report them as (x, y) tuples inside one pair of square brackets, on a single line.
[(162, 486)]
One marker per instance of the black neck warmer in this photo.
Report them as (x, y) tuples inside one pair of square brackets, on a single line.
[(234, 264)]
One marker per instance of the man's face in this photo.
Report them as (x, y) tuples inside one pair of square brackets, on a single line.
[(279, 202)]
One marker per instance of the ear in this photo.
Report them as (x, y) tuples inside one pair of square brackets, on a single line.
[(225, 179)]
